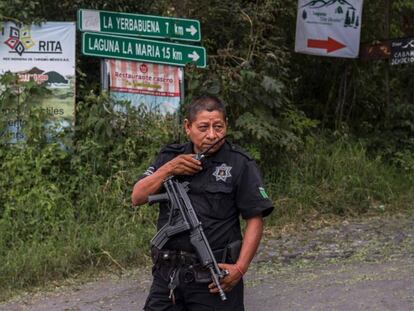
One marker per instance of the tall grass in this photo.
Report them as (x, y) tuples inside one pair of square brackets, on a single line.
[(65, 211), (336, 177), (57, 224)]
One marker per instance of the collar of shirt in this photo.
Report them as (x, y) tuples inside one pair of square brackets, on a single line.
[(188, 148)]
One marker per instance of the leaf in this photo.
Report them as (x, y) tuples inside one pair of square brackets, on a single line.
[(272, 85)]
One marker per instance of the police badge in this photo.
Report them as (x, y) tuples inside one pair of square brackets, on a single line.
[(222, 172)]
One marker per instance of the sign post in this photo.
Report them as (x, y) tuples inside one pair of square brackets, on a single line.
[(128, 48), (119, 36), (139, 25)]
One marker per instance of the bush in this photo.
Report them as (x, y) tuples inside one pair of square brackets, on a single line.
[(65, 196), (65, 204), (337, 177)]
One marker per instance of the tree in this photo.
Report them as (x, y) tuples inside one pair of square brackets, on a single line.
[(252, 65)]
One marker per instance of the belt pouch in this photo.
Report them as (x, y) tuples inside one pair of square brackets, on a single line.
[(233, 251), (201, 275)]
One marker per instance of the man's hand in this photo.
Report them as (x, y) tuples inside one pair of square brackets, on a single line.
[(229, 281), (184, 164)]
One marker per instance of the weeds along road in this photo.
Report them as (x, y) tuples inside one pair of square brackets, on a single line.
[(353, 265)]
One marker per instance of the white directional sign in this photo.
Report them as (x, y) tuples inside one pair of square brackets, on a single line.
[(139, 25), (329, 28)]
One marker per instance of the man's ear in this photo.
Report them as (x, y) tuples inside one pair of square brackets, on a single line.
[(187, 125)]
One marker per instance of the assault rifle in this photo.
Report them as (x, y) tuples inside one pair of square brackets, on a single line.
[(183, 218)]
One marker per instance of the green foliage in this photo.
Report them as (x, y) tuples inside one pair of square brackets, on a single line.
[(249, 70), (20, 107), (108, 131), (19, 10), (372, 100), (335, 175), (64, 210)]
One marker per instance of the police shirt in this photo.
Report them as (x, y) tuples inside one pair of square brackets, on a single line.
[(229, 185)]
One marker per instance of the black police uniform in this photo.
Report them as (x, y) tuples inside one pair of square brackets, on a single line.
[(229, 186)]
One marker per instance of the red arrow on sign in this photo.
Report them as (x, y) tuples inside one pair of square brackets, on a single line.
[(330, 45)]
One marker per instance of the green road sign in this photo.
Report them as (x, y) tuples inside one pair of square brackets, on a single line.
[(139, 25), (112, 46)]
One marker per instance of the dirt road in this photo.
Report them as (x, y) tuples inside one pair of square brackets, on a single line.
[(352, 265)]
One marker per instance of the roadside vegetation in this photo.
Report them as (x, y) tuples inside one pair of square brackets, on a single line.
[(332, 137)]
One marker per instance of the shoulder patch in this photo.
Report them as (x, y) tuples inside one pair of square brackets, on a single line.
[(238, 149), (173, 148)]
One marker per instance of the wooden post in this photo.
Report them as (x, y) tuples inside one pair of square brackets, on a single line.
[(387, 27)]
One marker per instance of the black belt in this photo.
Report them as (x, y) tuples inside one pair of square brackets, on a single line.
[(176, 266), (176, 257), (180, 266)]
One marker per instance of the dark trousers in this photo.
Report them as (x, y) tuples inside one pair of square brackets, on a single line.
[(190, 296)]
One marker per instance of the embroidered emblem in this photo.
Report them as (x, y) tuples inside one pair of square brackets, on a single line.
[(222, 172), (263, 193)]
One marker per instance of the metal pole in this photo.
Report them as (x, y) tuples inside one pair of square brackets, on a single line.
[(181, 109)]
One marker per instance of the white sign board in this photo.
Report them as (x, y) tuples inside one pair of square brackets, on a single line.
[(45, 54), (329, 27)]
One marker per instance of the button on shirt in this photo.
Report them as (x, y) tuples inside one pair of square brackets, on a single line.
[(229, 186)]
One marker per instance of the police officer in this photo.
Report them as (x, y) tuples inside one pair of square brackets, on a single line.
[(224, 185)]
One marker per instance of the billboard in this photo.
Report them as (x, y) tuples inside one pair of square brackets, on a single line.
[(155, 86), (45, 54), (402, 51), (329, 28)]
